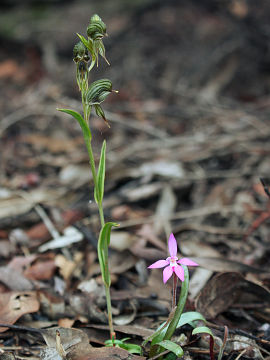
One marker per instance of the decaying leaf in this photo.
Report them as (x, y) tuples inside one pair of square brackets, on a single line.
[(105, 353), (15, 304), (224, 290), (14, 280), (71, 235), (63, 343)]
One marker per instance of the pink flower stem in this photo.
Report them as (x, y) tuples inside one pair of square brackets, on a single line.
[(180, 306), (177, 314), (175, 278)]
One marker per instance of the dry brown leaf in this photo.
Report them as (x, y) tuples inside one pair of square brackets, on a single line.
[(19, 263), (15, 304), (105, 353), (72, 342), (14, 280), (125, 329), (11, 69), (165, 208), (66, 266), (51, 304), (225, 289), (66, 322), (221, 265), (41, 270), (122, 240)]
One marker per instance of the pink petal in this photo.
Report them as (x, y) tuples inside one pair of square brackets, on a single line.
[(172, 245), (167, 273), (179, 272), (159, 264), (187, 261)]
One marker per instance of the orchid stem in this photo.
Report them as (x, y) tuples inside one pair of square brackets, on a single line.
[(178, 310), (180, 306), (101, 215), (174, 290)]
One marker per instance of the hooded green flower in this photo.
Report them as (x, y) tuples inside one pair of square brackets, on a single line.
[(97, 93)]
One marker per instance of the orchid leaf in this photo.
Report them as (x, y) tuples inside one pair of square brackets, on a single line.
[(132, 348), (171, 346), (202, 330), (186, 318), (189, 317), (103, 244), (99, 190), (85, 129)]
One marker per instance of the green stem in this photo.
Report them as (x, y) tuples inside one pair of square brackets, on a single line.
[(100, 209), (109, 309), (174, 290), (101, 214), (180, 306)]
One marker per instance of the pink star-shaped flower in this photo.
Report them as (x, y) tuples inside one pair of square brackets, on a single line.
[(173, 265)]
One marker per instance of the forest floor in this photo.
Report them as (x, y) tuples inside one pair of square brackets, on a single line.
[(187, 152)]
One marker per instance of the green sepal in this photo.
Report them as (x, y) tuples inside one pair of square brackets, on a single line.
[(85, 128), (89, 45), (171, 346), (202, 330), (99, 48), (86, 43), (103, 244), (96, 28), (99, 191)]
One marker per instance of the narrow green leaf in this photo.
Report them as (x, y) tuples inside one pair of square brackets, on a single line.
[(103, 244), (85, 129), (202, 330), (173, 347), (132, 348), (99, 192)]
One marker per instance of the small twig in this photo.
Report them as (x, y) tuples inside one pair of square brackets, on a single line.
[(21, 328), (265, 187), (159, 355), (240, 355), (44, 217), (225, 338)]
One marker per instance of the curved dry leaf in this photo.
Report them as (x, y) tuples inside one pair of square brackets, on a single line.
[(221, 265), (15, 304), (126, 319), (66, 341), (14, 280), (105, 353), (223, 290)]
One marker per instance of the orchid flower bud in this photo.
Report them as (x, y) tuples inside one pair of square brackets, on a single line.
[(80, 53), (98, 91), (96, 30)]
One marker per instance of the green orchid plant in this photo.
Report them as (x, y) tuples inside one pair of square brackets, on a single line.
[(85, 55)]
